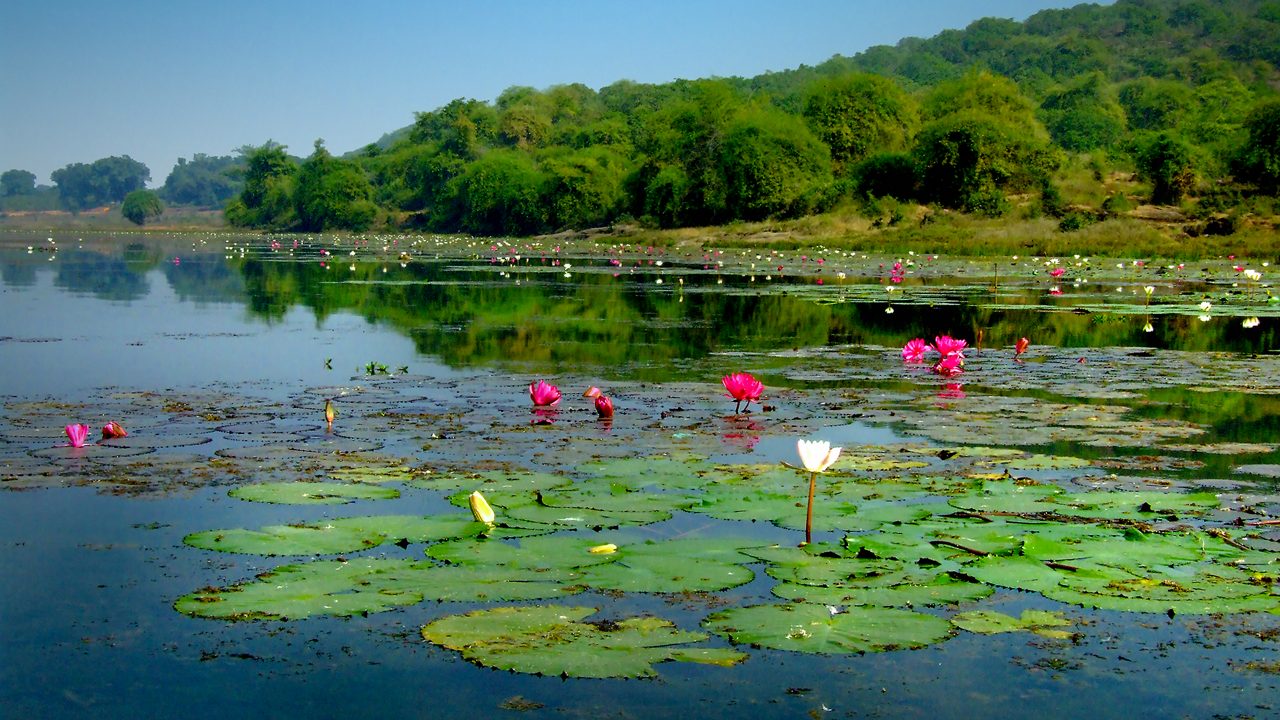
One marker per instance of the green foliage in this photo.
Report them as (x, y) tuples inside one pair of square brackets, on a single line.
[(887, 174), (1153, 104), (499, 194), (1084, 115), (969, 160), (332, 194), (858, 113), (104, 181), (17, 182), (204, 181), (141, 205), (1261, 157), (1167, 162), (586, 188), (773, 166), (267, 198)]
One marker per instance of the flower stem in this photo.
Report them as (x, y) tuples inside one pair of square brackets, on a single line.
[(808, 516)]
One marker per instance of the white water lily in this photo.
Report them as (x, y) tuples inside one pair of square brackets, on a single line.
[(1253, 275), (1206, 306), (817, 455)]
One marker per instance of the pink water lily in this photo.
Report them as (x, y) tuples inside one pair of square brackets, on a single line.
[(914, 350), (742, 387), (947, 345), (113, 429), (77, 433), (591, 392), (950, 366), (1058, 272), (544, 394), (1020, 347), (604, 407)]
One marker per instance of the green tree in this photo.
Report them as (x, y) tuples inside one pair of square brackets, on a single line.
[(1260, 159), (104, 181), (267, 198), (499, 194), (1084, 115), (17, 182), (773, 166), (1167, 161), (969, 160), (332, 194), (140, 206), (585, 188), (857, 114), (1153, 104), (205, 181)]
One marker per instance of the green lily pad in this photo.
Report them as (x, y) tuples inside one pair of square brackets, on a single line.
[(294, 592), (941, 590), (990, 622), (305, 539), (685, 565), (552, 640), (312, 493), (802, 627)]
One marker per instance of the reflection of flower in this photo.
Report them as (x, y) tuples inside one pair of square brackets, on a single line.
[(1251, 322), (816, 456), (952, 391), (742, 387), (113, 429), (604, 407), (544, 394), (915, 349), (77, 433), (1148, 328)]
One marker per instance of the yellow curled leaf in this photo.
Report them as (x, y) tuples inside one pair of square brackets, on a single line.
[(480, 508), (606, 549)]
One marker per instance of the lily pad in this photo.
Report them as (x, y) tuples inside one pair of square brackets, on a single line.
[(803, 627), (305, 539), (553, 640), (294, 592), (312, 493), (990, 622)]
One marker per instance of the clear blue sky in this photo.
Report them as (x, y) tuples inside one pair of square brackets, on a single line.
[(162, 79)]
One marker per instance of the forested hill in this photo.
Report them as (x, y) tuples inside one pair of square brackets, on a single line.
[(998, 118)]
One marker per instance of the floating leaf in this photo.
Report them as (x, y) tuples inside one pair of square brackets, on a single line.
[(802, 627), (990, 622), (552, 640), (312, 493)]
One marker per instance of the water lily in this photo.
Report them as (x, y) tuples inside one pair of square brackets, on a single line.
[(480, 509), (1148, 328), (604, 407), (1020, 347), (544, 394), (950, 365), (329, 412), (591, 392), (113, 429), (77, 433), (742, 387), (1057, 272), (1250, 322), (1206, 306), (947, 345), (915, 349), (816, 456)]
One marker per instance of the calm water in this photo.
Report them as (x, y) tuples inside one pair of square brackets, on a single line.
[(91, 575)]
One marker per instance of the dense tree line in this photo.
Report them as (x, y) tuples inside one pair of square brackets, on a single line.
[(1181, 93)]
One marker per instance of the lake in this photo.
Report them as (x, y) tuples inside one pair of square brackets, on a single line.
[(1084, 528)]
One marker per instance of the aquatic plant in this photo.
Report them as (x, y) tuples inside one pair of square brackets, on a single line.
[(1020, 347), (915, 349), (816, 456), (742, 387), (77, 433), (480, 508), (113, 429), (604, 407), (544, 394)]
